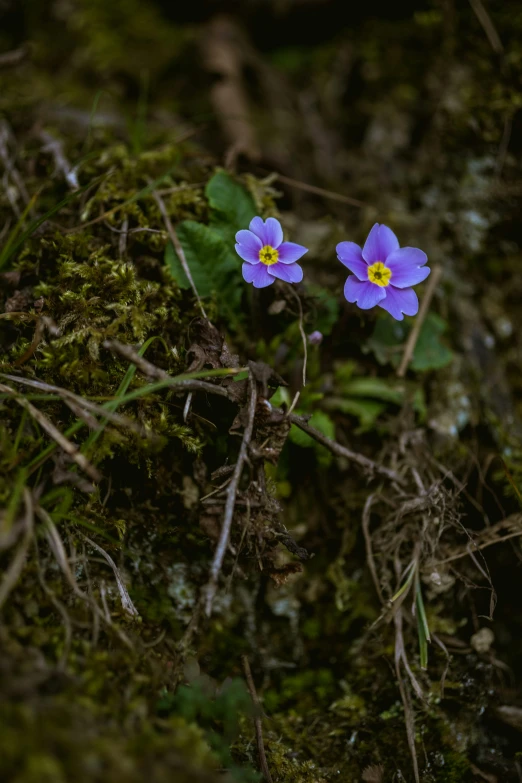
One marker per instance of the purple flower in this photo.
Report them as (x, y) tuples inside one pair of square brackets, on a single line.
[(315, 338), (384, 273), (265, 254)]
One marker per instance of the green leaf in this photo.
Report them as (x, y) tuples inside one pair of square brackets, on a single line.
[(388, 339), (234, 205), (430, 353), (378, 388), (367, 411), (213, 264)]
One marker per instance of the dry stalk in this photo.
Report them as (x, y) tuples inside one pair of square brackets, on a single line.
[(435, 276), (294, 183), (487, 25), (224, 537), (371, 467), (258, 725), (178, 247), (46, 424), (126, 601), (58, 549), (69, 397)]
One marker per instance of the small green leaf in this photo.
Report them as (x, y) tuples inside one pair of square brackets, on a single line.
[(367, 411), (430, 353), (388, 339), (233, 203), (213, 263), (378, 388)]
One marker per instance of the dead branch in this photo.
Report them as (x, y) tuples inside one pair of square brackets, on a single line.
[(46, 424), (329, 194), (177, 246), (82, 402), (371, 467), (487, 25), (263, 763), (152, 371), (435, 276), (231, 498), (58, 549), (126, 601), (369, 548)]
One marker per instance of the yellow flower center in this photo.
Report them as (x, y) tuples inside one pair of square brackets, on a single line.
[(379, 274), (268, 255)]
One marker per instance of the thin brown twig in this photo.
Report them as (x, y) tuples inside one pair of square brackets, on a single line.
[(178, 247), (68, 397), (409, 718), (435, 276), (487, 25), (58, 549), (340, 451), (295, 183), (369, 548), (224, 537), (263, 763), (126, 601), (46, 424), (152, 371)]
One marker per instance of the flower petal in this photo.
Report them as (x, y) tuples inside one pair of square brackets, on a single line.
[(257, 275), (248, 246), (407, 268), (290, 273), (399, 301), (350, 255), (270, 233), (365, 294), (290, 252), (380, 243)]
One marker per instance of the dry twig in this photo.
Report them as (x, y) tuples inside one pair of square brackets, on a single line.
[(330, 194), (435, 276), (126, 601), (224, 537), (368, 465), (257, 720), (177, 246), (487, 25), (46, 424)]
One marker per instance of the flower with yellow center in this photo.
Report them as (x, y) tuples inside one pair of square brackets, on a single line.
[(267, 258), (268, 255), (384, 273), (379, 274)]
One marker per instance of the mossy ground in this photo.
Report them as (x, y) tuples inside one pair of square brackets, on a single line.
[(108, 670)]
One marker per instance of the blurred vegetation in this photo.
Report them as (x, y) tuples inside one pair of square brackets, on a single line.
[(381, 617)]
